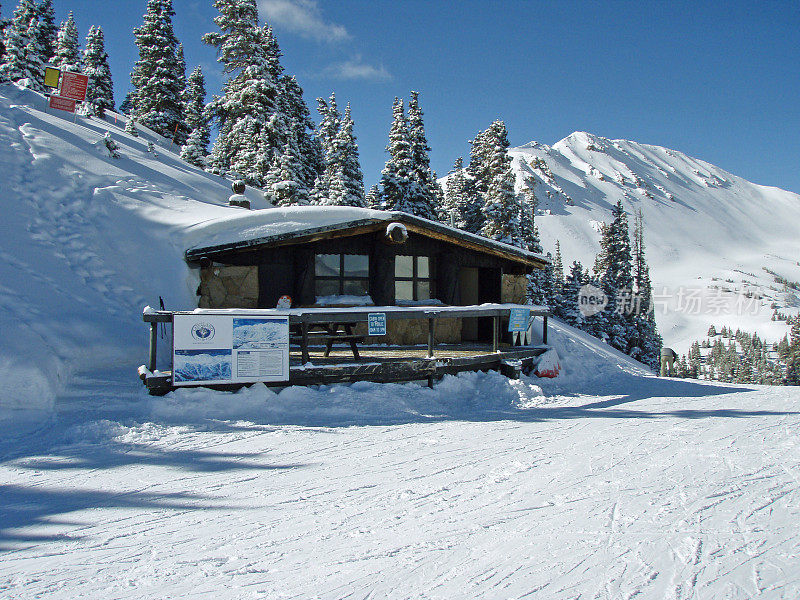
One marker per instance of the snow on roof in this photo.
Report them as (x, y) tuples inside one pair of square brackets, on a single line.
[(250, 228)]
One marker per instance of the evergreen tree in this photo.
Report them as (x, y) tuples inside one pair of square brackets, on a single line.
[(127, 104), (793, 355), (196, 120), (427, 188), (502, 210), (156, 77), (616, 277), (130, 127), (456, 208), (646, 343), (261, 115), (48, 31), (100, 89), (285, 185), (398, 188), (558, 270), (346, 164), (373, 198), (34, 68), (14, 66), (3, 24), (67, 55)]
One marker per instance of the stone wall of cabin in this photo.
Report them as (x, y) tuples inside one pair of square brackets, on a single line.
[(224, 286), (408, 332), (514, 289)]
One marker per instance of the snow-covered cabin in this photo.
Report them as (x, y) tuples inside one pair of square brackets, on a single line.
[(328, 256)]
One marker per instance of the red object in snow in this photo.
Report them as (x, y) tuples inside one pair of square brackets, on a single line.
[(549, 365)]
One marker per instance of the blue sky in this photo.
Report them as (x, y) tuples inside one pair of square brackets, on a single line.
[(716, 80)]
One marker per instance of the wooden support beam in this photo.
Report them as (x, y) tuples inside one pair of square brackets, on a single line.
[(495, 333), (431, 335), (544, 329), (151, 361), (304, 342)]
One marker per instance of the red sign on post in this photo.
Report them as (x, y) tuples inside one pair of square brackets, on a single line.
[(73, 85), (60, 103)]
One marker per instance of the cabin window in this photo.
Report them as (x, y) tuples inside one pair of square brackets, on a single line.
[(341, 274), (412, 278)]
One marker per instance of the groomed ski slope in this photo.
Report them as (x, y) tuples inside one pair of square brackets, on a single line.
[(604, 483)]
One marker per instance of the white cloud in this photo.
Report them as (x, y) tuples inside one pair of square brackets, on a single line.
[(356, 68), (303, 17)]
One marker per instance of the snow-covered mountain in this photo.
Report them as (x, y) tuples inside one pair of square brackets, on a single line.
[(709, 234)]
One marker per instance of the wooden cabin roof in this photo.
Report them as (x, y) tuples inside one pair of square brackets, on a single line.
[(276, 227)]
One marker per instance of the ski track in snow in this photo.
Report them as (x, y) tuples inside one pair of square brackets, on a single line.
[(661, 494)]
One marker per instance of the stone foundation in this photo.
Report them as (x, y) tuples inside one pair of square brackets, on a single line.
[(514, 289), (409, 332), (228, 287)]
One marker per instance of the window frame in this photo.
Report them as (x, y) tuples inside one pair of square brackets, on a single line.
[(415, 278), (341, 277)]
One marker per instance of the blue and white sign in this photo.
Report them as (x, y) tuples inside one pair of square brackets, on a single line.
[(518, 319), (376, 324), (230, 348)]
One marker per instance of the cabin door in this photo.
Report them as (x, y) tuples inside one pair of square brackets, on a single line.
[(468, 291), (477, 286)]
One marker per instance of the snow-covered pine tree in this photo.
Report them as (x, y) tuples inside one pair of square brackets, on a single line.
[(14, 65), (258, 101), (127, 104), (373, 198), (502, 210), (325, 135), (284, 183), (614, 269), (558, 269), (647, 338), (530, 233), (398, 188), (34, 68), (48, 30), (156, 77), (100, 89), (67, 56), (568, 308), (196, 120), (540, 285), (347, 167), (3, 24), (130, 126), (300, 130), (455, 203), (793, 354), (427, 195)]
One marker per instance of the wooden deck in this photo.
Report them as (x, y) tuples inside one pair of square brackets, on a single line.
[(308, 364)]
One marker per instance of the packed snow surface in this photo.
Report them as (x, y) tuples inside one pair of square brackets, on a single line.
[(603, 483)]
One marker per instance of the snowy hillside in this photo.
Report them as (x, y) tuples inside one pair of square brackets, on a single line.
[(87, 241), (709, 234)]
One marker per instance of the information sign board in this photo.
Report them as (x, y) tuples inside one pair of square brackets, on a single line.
[(59, 103), (376, 324), (518, 319), (73, 85), (51, 76), (230, 348)]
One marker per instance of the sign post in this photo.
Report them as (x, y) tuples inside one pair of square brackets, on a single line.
[(230, 348)]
